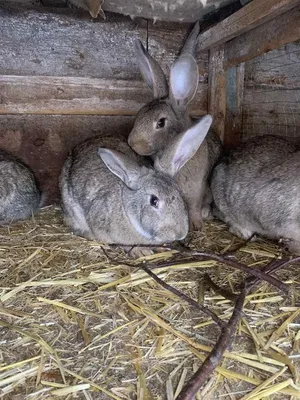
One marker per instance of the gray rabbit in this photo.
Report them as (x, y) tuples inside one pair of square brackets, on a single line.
[(158, 122), (111, 194), (256, 189), (19, 194)]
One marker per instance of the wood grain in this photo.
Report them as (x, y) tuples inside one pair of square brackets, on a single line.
[(252, 15), (217, 90), (271, 103), (234, 100), (270, 36), (64, 42), (72, 95)]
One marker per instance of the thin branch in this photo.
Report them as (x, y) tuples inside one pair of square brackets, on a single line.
[(234, 264), (218, 290), (215, 356), (183, 296), (272, 267)]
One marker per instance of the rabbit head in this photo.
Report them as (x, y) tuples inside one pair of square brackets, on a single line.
[(166, 116), (150, 200)]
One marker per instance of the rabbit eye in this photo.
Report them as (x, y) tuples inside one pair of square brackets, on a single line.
[(161, 123), (154, 201)]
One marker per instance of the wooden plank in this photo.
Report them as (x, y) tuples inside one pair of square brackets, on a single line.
[(72, 95), (234, 98), (278, 69), (272, 35), (264, 109), (285, 119), (64, 42), (286, 54), (43, 141), (217, 90), (252, 15), (272, 94)]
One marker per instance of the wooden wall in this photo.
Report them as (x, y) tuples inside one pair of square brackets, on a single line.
[(271, 102), (65, 77)]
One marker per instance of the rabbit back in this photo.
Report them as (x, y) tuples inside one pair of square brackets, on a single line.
[(19, 193), (256, 188)]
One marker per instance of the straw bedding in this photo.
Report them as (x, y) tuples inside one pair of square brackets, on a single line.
[(76, 321)]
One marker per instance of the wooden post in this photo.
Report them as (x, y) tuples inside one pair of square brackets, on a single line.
[(234, 97), (217, 90)]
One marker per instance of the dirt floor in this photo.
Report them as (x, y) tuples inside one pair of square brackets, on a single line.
[(77, 322)]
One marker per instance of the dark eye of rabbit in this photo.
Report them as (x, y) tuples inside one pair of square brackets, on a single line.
[(161, 123), (154, 201)]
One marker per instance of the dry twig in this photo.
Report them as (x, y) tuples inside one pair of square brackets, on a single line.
[(183, 296), (213, 359)]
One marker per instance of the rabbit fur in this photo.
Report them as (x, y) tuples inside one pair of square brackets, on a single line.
[(19, 193), (109, 193), (159, 121), (256, 189)]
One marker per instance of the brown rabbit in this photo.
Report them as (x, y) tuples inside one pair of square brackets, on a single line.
[(111, 194), (158, 122)]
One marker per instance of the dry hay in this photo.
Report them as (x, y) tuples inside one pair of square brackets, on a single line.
[(77, 323)]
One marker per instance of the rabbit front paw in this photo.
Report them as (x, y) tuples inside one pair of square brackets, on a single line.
[(243, 233), (196, 224), (137, 252), (207, 213)]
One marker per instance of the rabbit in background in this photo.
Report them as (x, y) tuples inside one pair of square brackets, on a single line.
[(20, 196), (160, 121), (112, 195), (256, 189)]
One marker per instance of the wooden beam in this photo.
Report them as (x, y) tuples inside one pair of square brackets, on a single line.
[(76, 95), (252, 15), (217, 90), (270, 36), (234, 98)]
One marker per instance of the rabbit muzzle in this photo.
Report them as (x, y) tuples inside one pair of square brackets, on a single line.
[(141, 146)]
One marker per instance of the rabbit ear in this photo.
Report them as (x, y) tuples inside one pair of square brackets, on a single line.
[(152, 73), (191, 42), (122, 166), (183, 147), (184, 78), (184, 74)]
